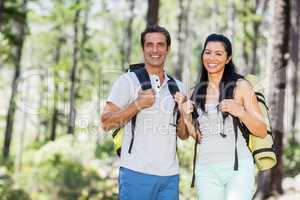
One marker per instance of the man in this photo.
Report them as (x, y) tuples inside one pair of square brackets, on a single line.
[(150, 170)]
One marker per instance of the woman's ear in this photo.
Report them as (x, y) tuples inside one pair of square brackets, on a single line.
[(228, 59)]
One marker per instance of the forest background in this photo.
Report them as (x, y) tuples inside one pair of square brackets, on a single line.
[(58, 59)]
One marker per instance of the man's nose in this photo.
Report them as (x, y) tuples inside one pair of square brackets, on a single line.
[(155, 48)]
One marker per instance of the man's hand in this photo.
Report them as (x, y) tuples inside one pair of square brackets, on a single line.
[(179, 98), (187, 108), (146, 99)]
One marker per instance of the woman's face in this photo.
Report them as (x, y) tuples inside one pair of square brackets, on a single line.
[(215, 57)]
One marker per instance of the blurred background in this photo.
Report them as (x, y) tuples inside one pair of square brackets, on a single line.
[(58, 59)]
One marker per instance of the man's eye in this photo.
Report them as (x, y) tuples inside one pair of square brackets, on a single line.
[(148, 45)]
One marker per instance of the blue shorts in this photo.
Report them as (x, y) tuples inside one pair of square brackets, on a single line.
[(138, 186), (221, 182)]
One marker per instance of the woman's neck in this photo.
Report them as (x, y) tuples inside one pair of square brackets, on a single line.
[(213, 87), (214, 80)]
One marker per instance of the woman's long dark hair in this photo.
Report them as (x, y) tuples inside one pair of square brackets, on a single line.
[(228, 79)]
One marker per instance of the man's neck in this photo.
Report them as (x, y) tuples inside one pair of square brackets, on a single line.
[(159, 71)]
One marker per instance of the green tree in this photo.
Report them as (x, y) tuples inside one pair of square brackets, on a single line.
[(294, 49), (73, 74), (1, 12), (17, 40), (277, 92), (153, 12)]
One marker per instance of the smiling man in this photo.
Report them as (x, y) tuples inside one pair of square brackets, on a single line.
[(149, 165)]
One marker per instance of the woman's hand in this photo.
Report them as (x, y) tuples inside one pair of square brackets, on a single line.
[(232, 107)]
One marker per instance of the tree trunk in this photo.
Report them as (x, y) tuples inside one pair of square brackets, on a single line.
[(182, 36), (20, 146), (245, 51), (84, 39), (1, 13), (84, 30), (244, 46), (72, 109), (294, 49), (55, 112), (260, 9), (215, 12), (41, 122), (126, 48), (20, 36), (152, 13), (254, 48), (277, 93), (231, 21)]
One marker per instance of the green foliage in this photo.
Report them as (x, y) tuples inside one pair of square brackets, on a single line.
[(185, 152), (291, 159), (68, 175), (15, 16), (8, 163), (66, 169), (4, 48), (35, 145), (105, 150), (7, 192)]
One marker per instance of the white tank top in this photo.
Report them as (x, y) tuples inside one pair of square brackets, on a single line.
[(218, 142)]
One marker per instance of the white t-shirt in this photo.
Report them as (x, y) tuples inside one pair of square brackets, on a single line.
[(154, 147)]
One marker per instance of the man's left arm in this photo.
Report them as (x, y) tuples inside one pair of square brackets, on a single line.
[(180, 98), (181, 130)]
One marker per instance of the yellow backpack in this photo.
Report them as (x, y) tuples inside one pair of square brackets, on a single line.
[(262, 149)]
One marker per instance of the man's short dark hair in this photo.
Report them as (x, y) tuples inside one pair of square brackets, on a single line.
[(156, 29)]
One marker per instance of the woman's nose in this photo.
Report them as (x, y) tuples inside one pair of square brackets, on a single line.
[(211, 57)]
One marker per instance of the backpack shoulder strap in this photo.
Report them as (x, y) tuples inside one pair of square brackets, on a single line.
[(195, 122), (145, 82), (142, 75), (173, 88), (172, 85)]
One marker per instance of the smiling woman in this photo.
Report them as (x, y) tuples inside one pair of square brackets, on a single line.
[(224, 165), (215, 57)]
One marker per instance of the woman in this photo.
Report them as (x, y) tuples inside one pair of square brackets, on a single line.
[(224, 169)]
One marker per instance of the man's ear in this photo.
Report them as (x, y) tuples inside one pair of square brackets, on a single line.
[(169, 49), (228, 59)]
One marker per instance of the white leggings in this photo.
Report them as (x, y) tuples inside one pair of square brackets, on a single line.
[(221, 182)]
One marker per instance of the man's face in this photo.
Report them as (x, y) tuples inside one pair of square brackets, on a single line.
[(155, 49)]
